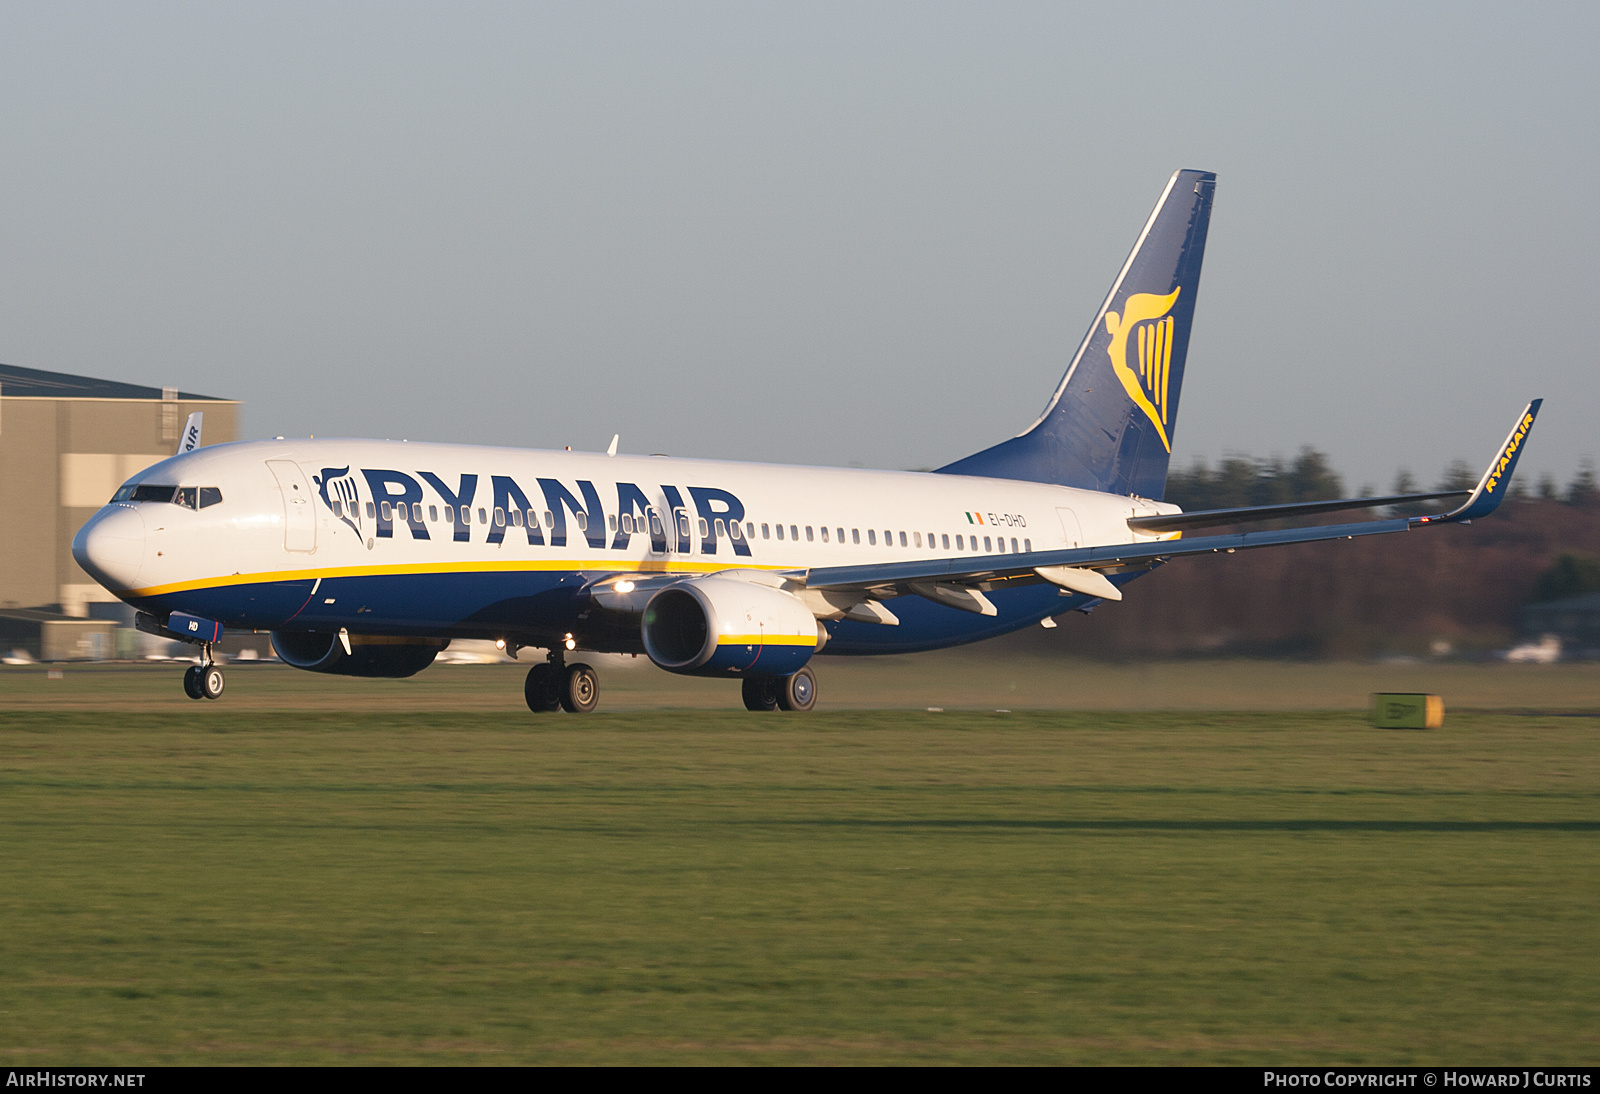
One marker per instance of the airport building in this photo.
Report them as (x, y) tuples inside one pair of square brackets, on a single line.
[(66, 443)]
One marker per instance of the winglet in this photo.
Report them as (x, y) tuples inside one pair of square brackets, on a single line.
[(1492, 487)]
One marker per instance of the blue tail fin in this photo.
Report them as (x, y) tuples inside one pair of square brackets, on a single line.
[(1109, 426)]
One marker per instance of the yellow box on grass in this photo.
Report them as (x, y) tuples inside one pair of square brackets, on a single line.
[(1407, 711)]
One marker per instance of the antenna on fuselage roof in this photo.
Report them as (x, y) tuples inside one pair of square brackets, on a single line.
[(611, 449)]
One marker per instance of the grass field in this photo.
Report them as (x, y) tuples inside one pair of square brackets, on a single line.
[(350, 871)]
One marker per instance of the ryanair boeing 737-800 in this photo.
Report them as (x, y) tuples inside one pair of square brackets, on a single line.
[(366, 558)]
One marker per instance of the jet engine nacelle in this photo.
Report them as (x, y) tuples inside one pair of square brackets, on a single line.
[(370, 655), (722, 626)]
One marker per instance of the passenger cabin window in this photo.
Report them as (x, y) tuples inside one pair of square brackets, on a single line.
[(960, 544), (433, 514), (872, 537), (516, 518), (809, 536), (385, 510), (780, 531), (735, 532), (583, 520), (986, 546), (766, 532), (483, 516), (721, 528), (705, 532), (533, 518), (1027, 545), (466, 515), (917, 538), (369, 510), (841, 534), (855, 536), (824, 534), (903, 540), (794, 531), (945, 539)]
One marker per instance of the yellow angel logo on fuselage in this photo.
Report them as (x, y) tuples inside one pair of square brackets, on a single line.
[(1145, 314)]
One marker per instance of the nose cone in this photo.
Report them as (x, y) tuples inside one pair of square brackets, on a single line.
[(110, 548)]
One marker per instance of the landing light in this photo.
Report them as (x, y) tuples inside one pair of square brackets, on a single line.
[(624, 586), (570, 643), (499, 643)]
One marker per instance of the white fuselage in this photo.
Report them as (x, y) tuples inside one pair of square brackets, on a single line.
[(330, 512)]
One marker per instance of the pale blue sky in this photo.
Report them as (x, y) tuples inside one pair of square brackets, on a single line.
[(813, 233)]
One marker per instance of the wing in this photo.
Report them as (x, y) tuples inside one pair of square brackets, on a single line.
[(961, 582)]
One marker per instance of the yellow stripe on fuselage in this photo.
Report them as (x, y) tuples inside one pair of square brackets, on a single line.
[(571, 566)]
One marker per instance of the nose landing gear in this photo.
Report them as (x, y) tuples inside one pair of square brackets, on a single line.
[(204, 681)]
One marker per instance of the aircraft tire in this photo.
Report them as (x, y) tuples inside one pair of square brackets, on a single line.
[(760, 692), (211, 682), (798, 692), (580, 689), (542, 689), (191, 682)]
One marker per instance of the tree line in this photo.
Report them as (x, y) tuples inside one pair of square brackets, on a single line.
[(1242, 480), (1461, 587)]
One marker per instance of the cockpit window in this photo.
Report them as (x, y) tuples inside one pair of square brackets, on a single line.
[(151, 492), (190, 497)]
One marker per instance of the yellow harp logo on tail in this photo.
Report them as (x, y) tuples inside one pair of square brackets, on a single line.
[(1144, 322)]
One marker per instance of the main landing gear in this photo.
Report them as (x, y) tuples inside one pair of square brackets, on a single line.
[(204, 681), (557, 685), (797, 692)]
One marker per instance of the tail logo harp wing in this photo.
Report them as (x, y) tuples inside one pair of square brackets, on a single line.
[(1146, 324)]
